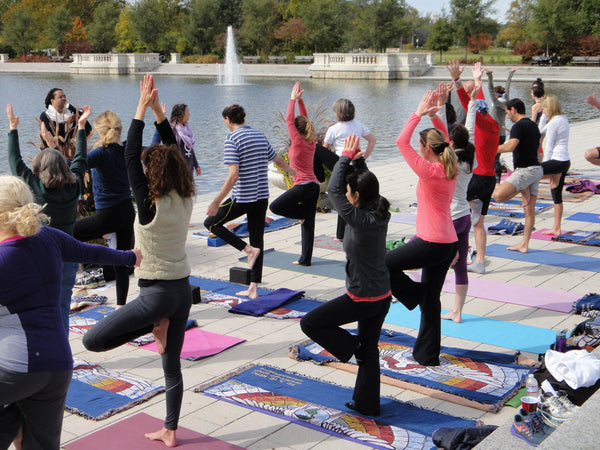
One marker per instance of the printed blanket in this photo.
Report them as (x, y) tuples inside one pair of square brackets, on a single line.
[(482, 380), (97, 393), (321, 406)]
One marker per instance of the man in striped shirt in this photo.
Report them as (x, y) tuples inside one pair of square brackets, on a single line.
[(247, 154)]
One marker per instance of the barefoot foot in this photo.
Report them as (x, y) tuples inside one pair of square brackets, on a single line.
[(518, 248), (253, 253), (552, 232), (251, 292), (167, 436), (454, 316), (160, 335)]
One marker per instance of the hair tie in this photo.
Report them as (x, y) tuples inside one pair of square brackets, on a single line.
[(439, 149)]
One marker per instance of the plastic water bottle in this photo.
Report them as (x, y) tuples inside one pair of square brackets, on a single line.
[(561, 341), (533, 389)]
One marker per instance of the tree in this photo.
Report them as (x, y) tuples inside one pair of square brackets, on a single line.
[(19, 30), (76, 40), (146, 20), (327, 21), (468, 16), (59, 24), (102, 31), (202, 25), (554, 24), (260, 18), (441, 37), (293, 34), (126, 39), (381, 23)]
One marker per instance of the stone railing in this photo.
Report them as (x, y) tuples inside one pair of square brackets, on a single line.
[(3, 57), (376, 66), (114, 63)]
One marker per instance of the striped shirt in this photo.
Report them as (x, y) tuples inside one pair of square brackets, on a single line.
[(251, 151)]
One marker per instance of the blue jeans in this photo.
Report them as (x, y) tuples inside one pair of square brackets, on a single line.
[(69, 271)]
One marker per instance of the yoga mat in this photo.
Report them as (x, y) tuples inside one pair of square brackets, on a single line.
[(405, 218), (241, 229), (546, 257), (97, 393), (515, 294), (513, 208), (584, 217), (581, 237), (223, 293), (541, 236), (481, 380), (198, 344), (319, 266), (129, 434), (327, 242), (321, 406), (481, 329)]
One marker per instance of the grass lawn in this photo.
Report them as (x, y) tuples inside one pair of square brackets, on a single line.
[(494, 55)]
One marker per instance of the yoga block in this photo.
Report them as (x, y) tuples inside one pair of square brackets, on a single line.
[(196, 295), (240, 275), (215, 242)]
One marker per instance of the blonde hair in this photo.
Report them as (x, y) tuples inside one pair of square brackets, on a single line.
[(553, 107), (109, 127), (18, 213), (306, 128), (437, 141)]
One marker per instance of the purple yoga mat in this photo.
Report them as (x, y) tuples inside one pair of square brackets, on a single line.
[(497, 291), (198, 344), (129, 434)]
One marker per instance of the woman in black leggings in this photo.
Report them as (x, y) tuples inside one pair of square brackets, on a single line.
[(112, 196), (163, 187)]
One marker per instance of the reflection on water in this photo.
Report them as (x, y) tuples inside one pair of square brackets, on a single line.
[(383, 106)]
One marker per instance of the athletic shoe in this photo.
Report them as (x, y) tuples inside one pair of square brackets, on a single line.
[(526, 428), (99, 277), (470, 254), (476, 267), (536, 418), (87, 280)]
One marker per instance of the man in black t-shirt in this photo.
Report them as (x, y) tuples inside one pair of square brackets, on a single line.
[(524, 143)]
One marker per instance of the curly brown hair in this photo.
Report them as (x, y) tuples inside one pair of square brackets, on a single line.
[(166, 170)]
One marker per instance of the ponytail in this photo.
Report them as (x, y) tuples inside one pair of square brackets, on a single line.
[(448, 160), (383, 208)]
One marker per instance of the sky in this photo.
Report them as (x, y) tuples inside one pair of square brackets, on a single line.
[(435, 6)]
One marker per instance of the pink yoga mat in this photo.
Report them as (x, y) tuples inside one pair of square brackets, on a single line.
[(198, 344), (129, 434), (515, 294), (542, 237)]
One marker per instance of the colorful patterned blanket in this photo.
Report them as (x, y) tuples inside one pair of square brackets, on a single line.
[(482, 380), (321, 406)]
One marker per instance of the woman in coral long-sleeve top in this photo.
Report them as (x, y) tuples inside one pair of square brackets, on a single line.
[(435, 245), (300, 202)]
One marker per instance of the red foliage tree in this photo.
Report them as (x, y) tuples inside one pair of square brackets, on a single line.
[(76, 40), (479, 43), (527, 50)]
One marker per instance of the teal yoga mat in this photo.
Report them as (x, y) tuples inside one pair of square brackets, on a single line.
[(481, 329), (320, 266), (545, 257)]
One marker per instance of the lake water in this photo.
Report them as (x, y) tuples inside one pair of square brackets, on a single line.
[(383, 106)]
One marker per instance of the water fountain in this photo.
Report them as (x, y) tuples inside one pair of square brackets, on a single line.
[(231, 73)]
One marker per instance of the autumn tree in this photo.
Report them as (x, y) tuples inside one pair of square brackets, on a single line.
[(76, 40), (293, 34), (468, 16), (59, 24)]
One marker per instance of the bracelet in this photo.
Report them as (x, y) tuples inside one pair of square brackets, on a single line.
[(456, 81)]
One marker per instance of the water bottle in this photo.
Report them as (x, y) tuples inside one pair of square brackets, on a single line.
[(533, 389), (561, 341)]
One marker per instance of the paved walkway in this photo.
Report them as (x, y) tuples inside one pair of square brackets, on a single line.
[(267, 340)]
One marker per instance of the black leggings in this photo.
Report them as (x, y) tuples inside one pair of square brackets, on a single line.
[(434, 259), (322, 325), (164, 298), (552, 167), (255, 212), (114, 219), (300, 202), (35, 401)]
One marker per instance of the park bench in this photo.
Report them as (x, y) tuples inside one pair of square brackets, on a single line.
[(540, 60), (304, 59), (276, 59), (57, 59), (251, 59), (586, 60)]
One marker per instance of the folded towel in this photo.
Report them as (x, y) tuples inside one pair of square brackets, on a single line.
[(266, 303)]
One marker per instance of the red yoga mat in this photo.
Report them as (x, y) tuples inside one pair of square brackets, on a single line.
[(129, 434)]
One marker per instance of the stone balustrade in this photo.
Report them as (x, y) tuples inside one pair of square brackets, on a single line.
[(114, 63), (371, 66)]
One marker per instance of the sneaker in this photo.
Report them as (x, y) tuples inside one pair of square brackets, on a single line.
[(470, 254), (536, 418), (476, 267), (556, 408), (87, 280), (99, 277), (526, 428)]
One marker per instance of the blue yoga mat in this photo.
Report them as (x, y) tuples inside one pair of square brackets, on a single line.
[(546, 257), (481, 329), (585, 217), (320, 266)]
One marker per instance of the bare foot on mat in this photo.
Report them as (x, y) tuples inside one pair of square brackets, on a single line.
[(251, 292), (455, 317), (167, 436), (552, 232), (519, 248), (160, 335)]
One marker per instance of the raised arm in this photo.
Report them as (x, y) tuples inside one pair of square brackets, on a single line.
[(591, 99), (79, 163), (15, 160), (511, 72)]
